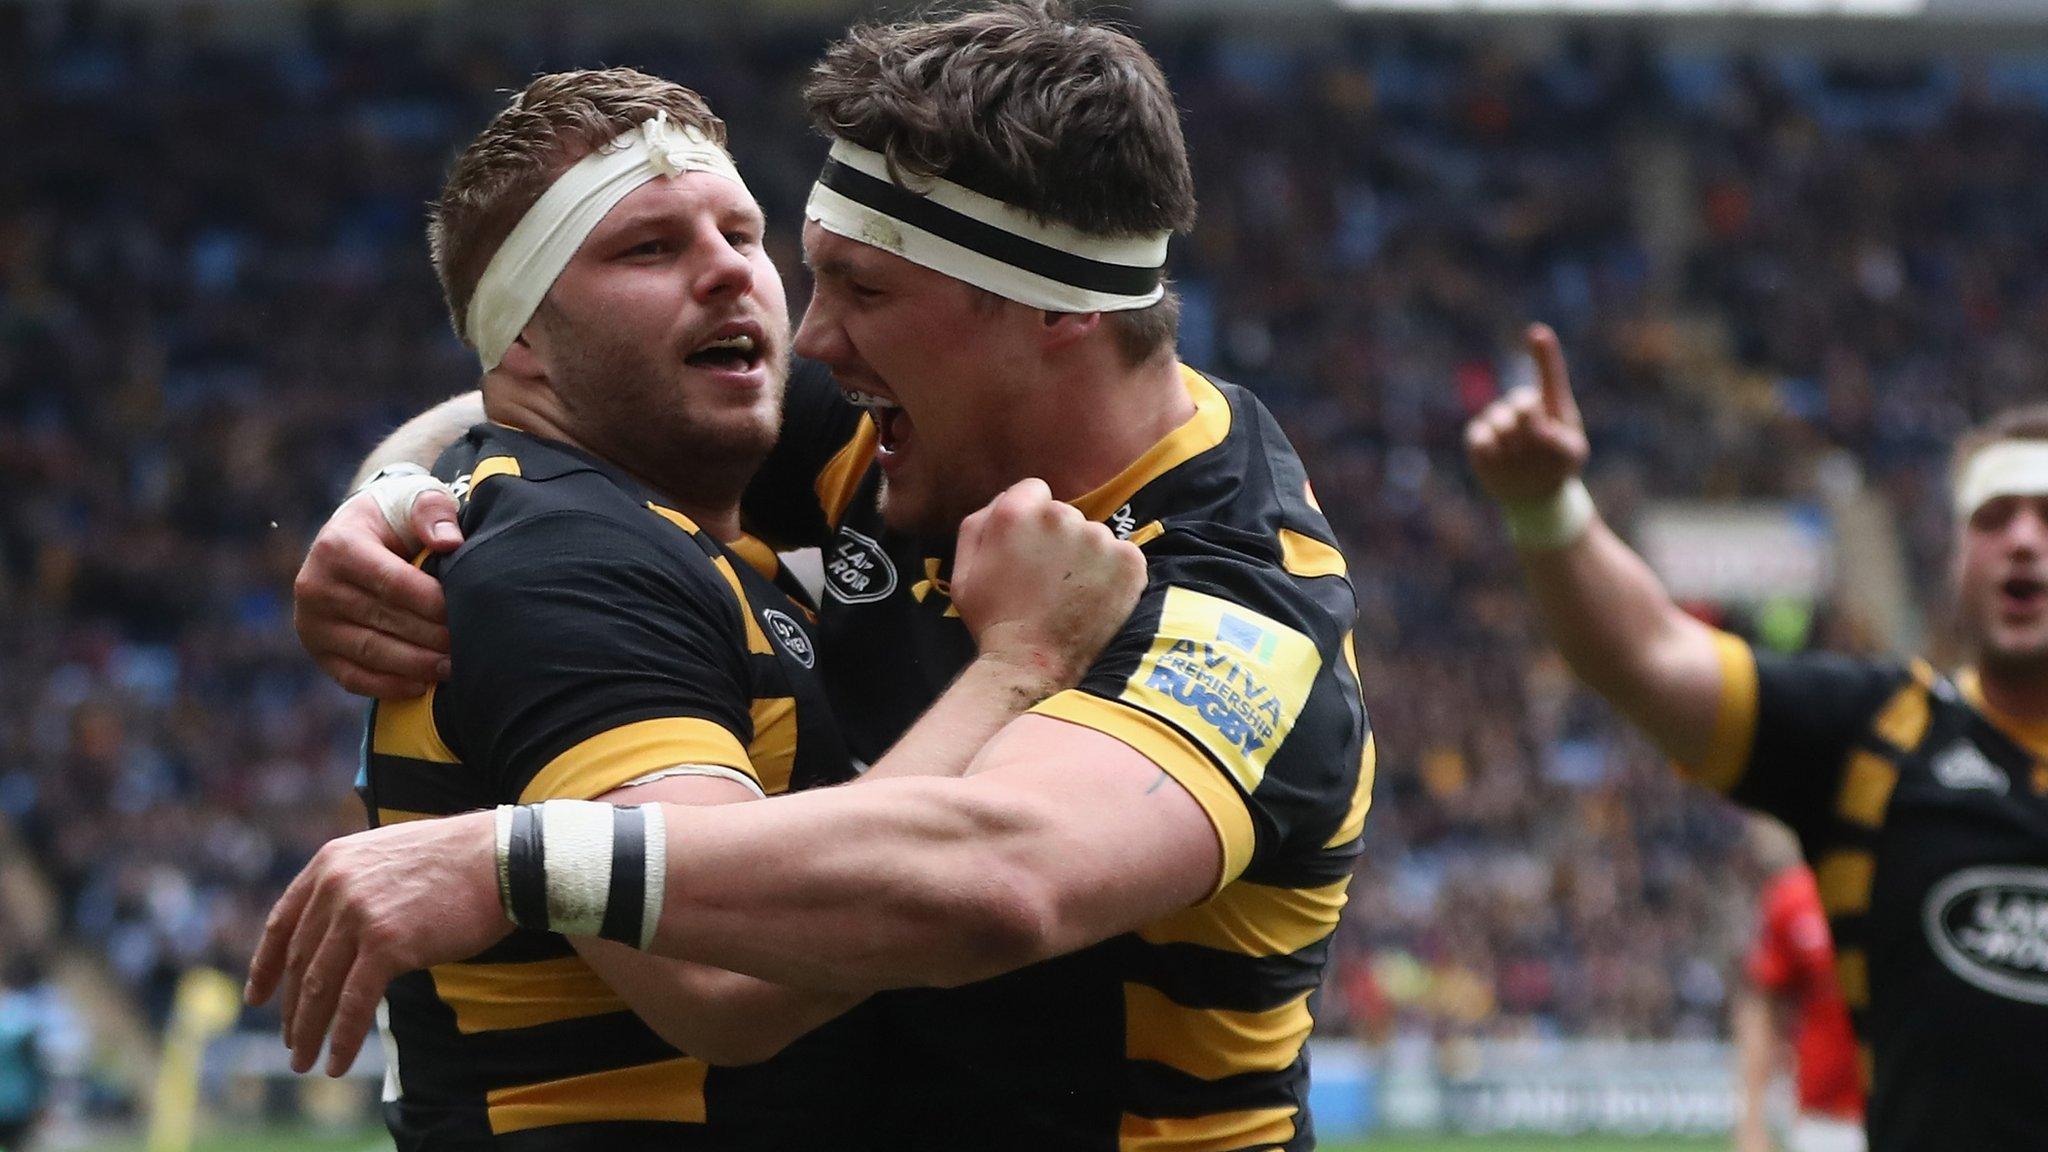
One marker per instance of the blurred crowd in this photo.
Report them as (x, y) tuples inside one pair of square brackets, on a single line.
[(214, 297)]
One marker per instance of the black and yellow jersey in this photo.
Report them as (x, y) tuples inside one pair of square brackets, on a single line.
[(1236, 674), (1925, 815), (599, 637)]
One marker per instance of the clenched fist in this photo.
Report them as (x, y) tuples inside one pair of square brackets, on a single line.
[(1041, 585)]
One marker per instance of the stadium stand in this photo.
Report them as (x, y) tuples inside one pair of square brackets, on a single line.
[(214, 296)]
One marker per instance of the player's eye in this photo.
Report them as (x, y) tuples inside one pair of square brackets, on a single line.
[(658, 246)]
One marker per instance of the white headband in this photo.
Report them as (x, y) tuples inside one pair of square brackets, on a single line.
[(540, 246), (987, 243), (2006, 468)]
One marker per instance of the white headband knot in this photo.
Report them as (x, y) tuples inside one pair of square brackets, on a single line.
[(2005, 468), (542, 243), (995, 246)]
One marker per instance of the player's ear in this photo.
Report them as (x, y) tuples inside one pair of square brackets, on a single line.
[(1064, 329)]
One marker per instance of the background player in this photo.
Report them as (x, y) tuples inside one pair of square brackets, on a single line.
[(1789, 1002), (1921, 800), (1217, 755)]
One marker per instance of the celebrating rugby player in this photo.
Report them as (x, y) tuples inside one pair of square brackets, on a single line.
[(1920, 798), (1141, 877)]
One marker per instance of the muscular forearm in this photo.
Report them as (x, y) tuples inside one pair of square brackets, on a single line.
[(895, 883), (717, 1016), (945, 740), (1617, 627), (422, 439)]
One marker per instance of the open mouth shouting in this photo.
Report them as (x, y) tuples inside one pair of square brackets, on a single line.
[(892, 424), (737, 351), (2022, 595)]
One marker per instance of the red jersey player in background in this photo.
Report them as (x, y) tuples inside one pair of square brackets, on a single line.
[(1789, 986)]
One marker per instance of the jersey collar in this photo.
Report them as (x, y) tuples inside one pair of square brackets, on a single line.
[(2029, 734), (1204, 430)]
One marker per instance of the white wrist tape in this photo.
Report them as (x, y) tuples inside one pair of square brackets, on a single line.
[(583, 868), (579, 865), (395, 490), (1558, 522)]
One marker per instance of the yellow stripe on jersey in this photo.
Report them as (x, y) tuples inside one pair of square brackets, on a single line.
[(610, 759), (757, 640), (1232, 679), (1147, 534), (491, 466), (760, 557), (1852, 975), (674, 517), (1254, 919), (1211, 1043), (1164, 745), (1305, 555), (1260, 1128), (842, 474), (386, 816), (671, 1091), (406, 728), (1867, 784), (1202, 431), (1734, 718), (773, 749), (1361, 796), (1905, 717), (1844, 876), (494, 997)]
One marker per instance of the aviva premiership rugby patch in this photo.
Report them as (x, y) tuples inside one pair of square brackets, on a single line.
[(1227, 676)]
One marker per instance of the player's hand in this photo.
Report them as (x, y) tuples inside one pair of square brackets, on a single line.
[(1040, 585), (370, 619), (1528, 443), (368, 908)]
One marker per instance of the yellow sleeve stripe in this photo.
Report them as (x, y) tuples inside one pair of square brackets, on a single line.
[(757, 640), (610, 759), (671, 1091), (1254, 919), (1260, 1128), (406, 728), (491, 466), (773, 749), (1212, 1043), (1304, 555), (1178, 757), (1734, 718), (389, 816), (842, 474), (1361, 796), (495, 997), (1844, 876)]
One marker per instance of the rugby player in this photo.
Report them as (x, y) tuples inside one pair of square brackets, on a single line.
[(1148, 868), (615, 637), (1920, 798)]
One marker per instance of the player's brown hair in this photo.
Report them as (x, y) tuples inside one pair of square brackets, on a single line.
[(1065, 118), (2027, 422), (555, 121)]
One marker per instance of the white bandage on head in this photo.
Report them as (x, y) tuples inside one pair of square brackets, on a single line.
[(540, 245), (983, 241), (2003, 468)]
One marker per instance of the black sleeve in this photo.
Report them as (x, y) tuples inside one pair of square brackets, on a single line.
[(585, 655), (1811, 711), (787, 503)]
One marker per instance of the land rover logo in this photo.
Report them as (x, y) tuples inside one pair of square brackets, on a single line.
[(857, 571), (790, 636), (1990, 926)]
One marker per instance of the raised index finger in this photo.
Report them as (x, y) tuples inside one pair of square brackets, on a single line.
[(1554, 381)]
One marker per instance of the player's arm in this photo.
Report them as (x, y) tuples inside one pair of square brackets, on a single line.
[(1609, 615), (1754, 1029), (368, 617)]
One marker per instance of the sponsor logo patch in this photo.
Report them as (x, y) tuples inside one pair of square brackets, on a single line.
[(857, 571), (1990, 927), (1961, 766), (791, 636), (1229, 677)]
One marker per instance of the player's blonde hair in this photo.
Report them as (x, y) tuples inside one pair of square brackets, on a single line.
[(555, 121)]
